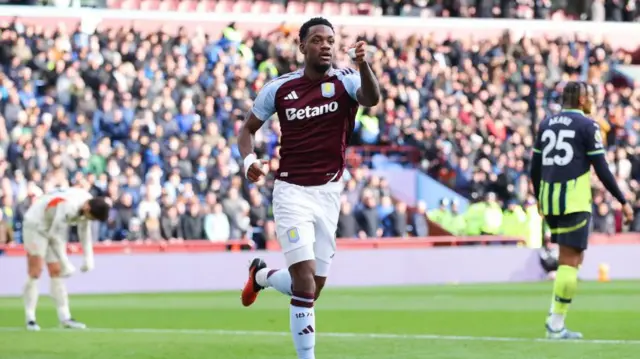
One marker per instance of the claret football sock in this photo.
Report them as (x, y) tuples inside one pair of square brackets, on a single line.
[(563, 291), (279, 279), (303, 324)]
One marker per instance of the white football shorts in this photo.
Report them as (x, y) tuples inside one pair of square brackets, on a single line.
[(306, 222), (36, 244)]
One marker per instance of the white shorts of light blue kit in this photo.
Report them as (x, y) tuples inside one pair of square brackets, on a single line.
[(306, 222), (35, 244)]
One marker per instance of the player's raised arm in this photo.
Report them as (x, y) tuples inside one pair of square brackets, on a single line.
[(367, 88)]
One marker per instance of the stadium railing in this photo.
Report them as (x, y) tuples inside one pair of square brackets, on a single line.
[(202, 246)]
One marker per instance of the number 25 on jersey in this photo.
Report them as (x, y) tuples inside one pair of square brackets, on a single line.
[(563, 150)]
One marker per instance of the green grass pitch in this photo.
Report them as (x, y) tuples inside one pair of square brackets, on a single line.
[(436, 322)]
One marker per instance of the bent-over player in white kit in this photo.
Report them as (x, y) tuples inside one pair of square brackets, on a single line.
[(316, 107), (45, 233)]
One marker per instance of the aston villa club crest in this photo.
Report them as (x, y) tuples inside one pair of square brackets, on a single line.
[(328, 89), (293, 235)]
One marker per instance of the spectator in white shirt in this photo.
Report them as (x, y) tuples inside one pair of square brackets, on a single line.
[(216, 225)]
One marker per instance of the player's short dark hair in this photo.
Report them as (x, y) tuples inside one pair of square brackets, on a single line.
[(304, 29), (572, 93), (99, 208)]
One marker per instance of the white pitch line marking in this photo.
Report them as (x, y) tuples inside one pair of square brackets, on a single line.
[(331, 335)]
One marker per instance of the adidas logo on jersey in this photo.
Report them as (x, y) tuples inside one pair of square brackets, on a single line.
[(291, 96), (311, 111)]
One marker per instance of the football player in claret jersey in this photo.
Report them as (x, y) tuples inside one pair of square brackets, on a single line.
[(316, 107), (566, 147)]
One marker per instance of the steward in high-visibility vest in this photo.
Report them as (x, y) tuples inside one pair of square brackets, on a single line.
[(474, 218), (534, 225), (230, 33), (441, 215), (514, 221), (492, 216), (458, 223), (230, 37)]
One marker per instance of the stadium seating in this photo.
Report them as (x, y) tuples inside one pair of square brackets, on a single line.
[(345, 8), (295, 7)]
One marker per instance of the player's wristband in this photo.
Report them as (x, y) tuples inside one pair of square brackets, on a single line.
[(248, 161)]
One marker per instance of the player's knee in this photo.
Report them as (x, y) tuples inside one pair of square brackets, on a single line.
[(35, 273), (570, 256), (34, 267), (302, 276), (54, 269)]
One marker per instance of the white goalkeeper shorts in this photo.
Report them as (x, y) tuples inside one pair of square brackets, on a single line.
[(35, 244), (306, 222)]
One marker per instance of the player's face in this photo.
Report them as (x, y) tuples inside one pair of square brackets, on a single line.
[(318, 48)]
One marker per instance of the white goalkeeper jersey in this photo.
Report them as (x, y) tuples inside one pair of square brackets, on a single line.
[(57, 209)]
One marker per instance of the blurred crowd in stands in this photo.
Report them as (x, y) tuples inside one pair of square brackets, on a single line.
[(151, 122), (595, 10)]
